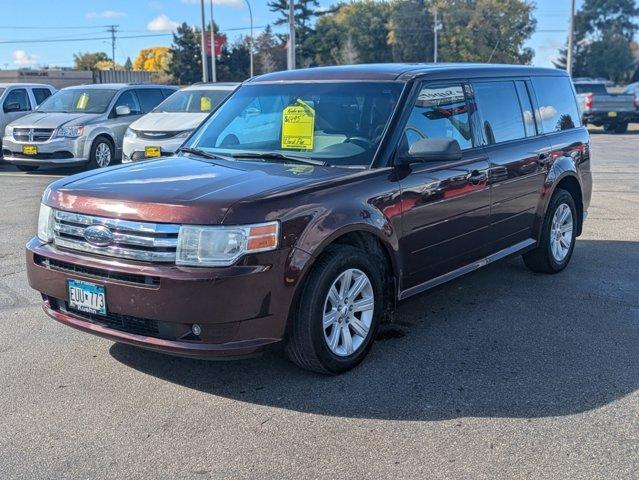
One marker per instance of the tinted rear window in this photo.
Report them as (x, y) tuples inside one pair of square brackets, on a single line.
[(557, 103), (41, 94), (596, 88), (502, 118)]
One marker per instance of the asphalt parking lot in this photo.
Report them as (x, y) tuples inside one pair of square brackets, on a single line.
[(501, 374)]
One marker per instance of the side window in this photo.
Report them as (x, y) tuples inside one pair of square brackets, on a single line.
[(439, 112), (149, 98), (41, 94), (129, 99), (557, 104), (167, 92), (498, 104), (17, 100), (526, 106)]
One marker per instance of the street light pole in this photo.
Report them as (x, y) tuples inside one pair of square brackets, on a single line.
[(571, 38), (435, 35), (251, 43), (213, 59), (291, 35), (205, 69)]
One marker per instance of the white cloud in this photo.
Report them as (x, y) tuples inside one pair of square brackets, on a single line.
[(23, 59), (105, 14), (227, 3), (162, 23)]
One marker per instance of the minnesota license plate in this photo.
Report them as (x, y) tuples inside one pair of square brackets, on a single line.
[(29, 149), (151, 152), (86, 297), (612, 114)]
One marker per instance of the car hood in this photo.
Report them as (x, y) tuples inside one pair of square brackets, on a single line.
[(178, 189), (168, 122), (54, 120)]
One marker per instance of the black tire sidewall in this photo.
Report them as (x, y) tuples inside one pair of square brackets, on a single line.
[(313, 306), (560, 197), (93, 161)]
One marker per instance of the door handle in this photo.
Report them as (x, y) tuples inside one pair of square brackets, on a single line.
[(476, 177)]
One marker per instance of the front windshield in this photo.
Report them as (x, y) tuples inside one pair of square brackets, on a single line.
[(78, 100), (338, 123), (193, 101)]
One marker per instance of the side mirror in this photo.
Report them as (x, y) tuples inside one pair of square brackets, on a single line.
[(432, 150), (12, 107), (122, 110), (251, 112)]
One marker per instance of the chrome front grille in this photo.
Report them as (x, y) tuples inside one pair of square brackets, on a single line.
[(32, 134), (157, 135), (147, 242)]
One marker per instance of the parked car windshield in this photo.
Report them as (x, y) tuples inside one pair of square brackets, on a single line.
[(192, 101), (77, 100), (596, 88), (338, 123)]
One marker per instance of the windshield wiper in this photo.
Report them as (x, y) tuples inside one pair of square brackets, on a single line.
[(204, 153), (279, 157)]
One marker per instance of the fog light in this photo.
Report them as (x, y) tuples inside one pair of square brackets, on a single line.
[(196, 329)]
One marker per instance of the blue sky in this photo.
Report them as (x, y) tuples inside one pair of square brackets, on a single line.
[(84, 20)]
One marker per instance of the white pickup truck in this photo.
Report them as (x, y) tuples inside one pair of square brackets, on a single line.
[(599, 107)]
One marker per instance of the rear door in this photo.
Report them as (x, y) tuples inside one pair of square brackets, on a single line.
[(445, 205), (518, 158), (119, 124), (16, 104)]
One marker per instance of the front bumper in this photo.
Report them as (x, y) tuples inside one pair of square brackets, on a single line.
[(133, 148), (55, 151), (241, 309)]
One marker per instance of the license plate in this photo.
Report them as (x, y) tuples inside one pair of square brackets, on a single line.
[(612, 114), (29, 149), (86, 297), (151, 152)]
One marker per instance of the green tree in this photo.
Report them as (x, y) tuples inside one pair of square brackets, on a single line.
[(186, 56), (88, 61), (486, 30), (604, 30), (270, 53), (234, 63), (305, 13), (354, 32), (128, 65), (411, 31)]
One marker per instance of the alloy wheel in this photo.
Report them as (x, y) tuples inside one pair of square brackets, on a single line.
[(103, 155), (561, 232)]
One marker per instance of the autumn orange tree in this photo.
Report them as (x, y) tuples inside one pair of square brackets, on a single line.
[(153, 59)]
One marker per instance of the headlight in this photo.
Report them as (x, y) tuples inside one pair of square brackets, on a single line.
[(45, 224), (184, 134), (70, 132), (8, 131), (220, 246), (130, 133)]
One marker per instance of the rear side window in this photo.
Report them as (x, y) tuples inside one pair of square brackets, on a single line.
[(526, 106), (149, 98), (129, 99), (498, 104), (439, 112), (167, 92), (17, 100), (557, 103), (41, 94)]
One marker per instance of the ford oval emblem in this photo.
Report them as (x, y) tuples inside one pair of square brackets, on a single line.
[(98, 235)]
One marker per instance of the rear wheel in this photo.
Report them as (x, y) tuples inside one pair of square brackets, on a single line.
[(558, 235), (621, 127), (27, 168), (338, 313), (102, 153), (609, 127)]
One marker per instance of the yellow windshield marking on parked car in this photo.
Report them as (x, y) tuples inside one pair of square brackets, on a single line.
[(298, 124), (82, 102), (205, 104)]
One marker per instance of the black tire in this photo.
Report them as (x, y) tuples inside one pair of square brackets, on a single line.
[(541, 259), (93, 161), (27, 168), (306, 345), (609, 127), (621, 127)]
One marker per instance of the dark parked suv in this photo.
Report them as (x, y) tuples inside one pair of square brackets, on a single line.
[(311, 202)]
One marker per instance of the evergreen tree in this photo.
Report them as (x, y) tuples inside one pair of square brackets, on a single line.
[(411, 32), (186, 56), (305, 13), (128, 65)]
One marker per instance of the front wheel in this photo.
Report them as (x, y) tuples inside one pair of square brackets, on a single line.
[(27, 168), (338, 313), (102, 153), (558, 235)]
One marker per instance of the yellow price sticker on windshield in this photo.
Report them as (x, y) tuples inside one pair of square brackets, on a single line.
[(298, 124), (82, 102), (205, 104)]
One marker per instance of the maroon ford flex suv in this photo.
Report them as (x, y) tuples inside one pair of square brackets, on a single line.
[(311, 202)]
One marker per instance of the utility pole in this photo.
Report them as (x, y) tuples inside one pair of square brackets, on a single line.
[(291, 35), (213, 59), (435, 34), (113, 30), (571, 38), (251, 46), (205, 66)]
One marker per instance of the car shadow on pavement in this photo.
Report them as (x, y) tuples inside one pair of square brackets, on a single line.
[(502, 342)]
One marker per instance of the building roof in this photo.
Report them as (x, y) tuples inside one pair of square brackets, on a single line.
[(403, 71), (22, 84)]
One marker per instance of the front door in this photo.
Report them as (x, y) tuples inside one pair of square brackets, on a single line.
[(445, 205)]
